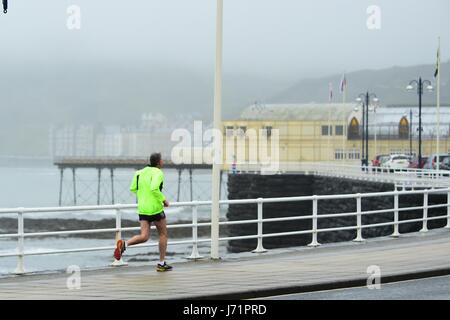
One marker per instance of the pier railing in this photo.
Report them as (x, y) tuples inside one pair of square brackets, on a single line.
[(401, 177), (313, 216)]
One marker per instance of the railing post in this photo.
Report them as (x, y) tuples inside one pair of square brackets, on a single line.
[(194, 255), (314, 242), (359, 237), (396, 218), (448, 210), (118, 263), (259, 247), (425, 211), (20, 244)]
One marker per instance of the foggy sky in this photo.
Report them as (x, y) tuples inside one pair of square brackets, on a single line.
[(277, 38)]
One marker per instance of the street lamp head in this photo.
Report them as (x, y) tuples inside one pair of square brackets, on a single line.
[(358, 99), (410, 88), (430, 88), (375, 100)]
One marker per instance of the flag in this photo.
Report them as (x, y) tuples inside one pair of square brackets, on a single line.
[(438, 61), (343, 85), (331, 92), (437, 75)]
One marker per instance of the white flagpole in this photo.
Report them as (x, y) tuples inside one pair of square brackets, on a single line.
[(215, 190), (438, 99), (344, 97), (375, 124), (329, 120)]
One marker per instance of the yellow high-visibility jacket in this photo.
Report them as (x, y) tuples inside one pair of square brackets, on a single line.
[(147, 184)]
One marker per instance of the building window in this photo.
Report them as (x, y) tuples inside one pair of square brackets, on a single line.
[(353, 129), (339, 154), (241, 131), (325, 131), (339, 130), (354, 154), (403, 128), (229, 131), (399, 151), (267, 131)]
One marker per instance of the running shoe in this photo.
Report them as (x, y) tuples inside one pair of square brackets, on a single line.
[(163, 267), (120, 248)]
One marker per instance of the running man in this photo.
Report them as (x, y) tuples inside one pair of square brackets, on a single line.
[(147, 184)]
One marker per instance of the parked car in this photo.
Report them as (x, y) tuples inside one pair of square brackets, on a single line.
[(383, 160), (396, 161), (376, 162), (445, 164), (431, 161), (414, 163)]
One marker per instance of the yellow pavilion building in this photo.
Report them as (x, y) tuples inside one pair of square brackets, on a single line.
[(333, 131)]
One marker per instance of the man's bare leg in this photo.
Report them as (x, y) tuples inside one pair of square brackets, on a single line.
[(143, 237), (161, 225)]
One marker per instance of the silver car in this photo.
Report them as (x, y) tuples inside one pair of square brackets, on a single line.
[(397, 161)]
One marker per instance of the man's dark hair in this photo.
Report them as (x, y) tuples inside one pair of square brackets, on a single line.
[(155, 158)]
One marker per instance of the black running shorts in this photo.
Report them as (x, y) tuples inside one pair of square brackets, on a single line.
[(155, 217)]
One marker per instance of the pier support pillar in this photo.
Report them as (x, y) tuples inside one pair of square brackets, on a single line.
[(179, 185), (190, 185), (112, 185), (74, 187), (220, 184), (98, 185), (61, 175)]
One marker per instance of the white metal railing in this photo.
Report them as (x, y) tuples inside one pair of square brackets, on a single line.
[(402, 177), (194, 241)]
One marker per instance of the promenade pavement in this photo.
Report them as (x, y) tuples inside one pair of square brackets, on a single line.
[(250, 275)]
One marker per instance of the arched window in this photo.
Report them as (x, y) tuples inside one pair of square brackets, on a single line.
[(403, 128), (353, 129)]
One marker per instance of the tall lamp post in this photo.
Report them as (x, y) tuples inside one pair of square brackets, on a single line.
[(410, 131), (375, 125), (419, 85), (364, 99), (215, 189)]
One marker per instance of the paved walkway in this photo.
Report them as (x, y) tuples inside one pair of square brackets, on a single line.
[(437, 288), (246, 276)]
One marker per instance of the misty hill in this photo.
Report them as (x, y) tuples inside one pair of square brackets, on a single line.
[(33, 97), (389, 85), (77, 93)]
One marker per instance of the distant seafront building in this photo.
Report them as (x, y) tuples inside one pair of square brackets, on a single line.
[(153, 133), (332, 131)]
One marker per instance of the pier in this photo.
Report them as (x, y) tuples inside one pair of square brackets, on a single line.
[(72, 164)]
